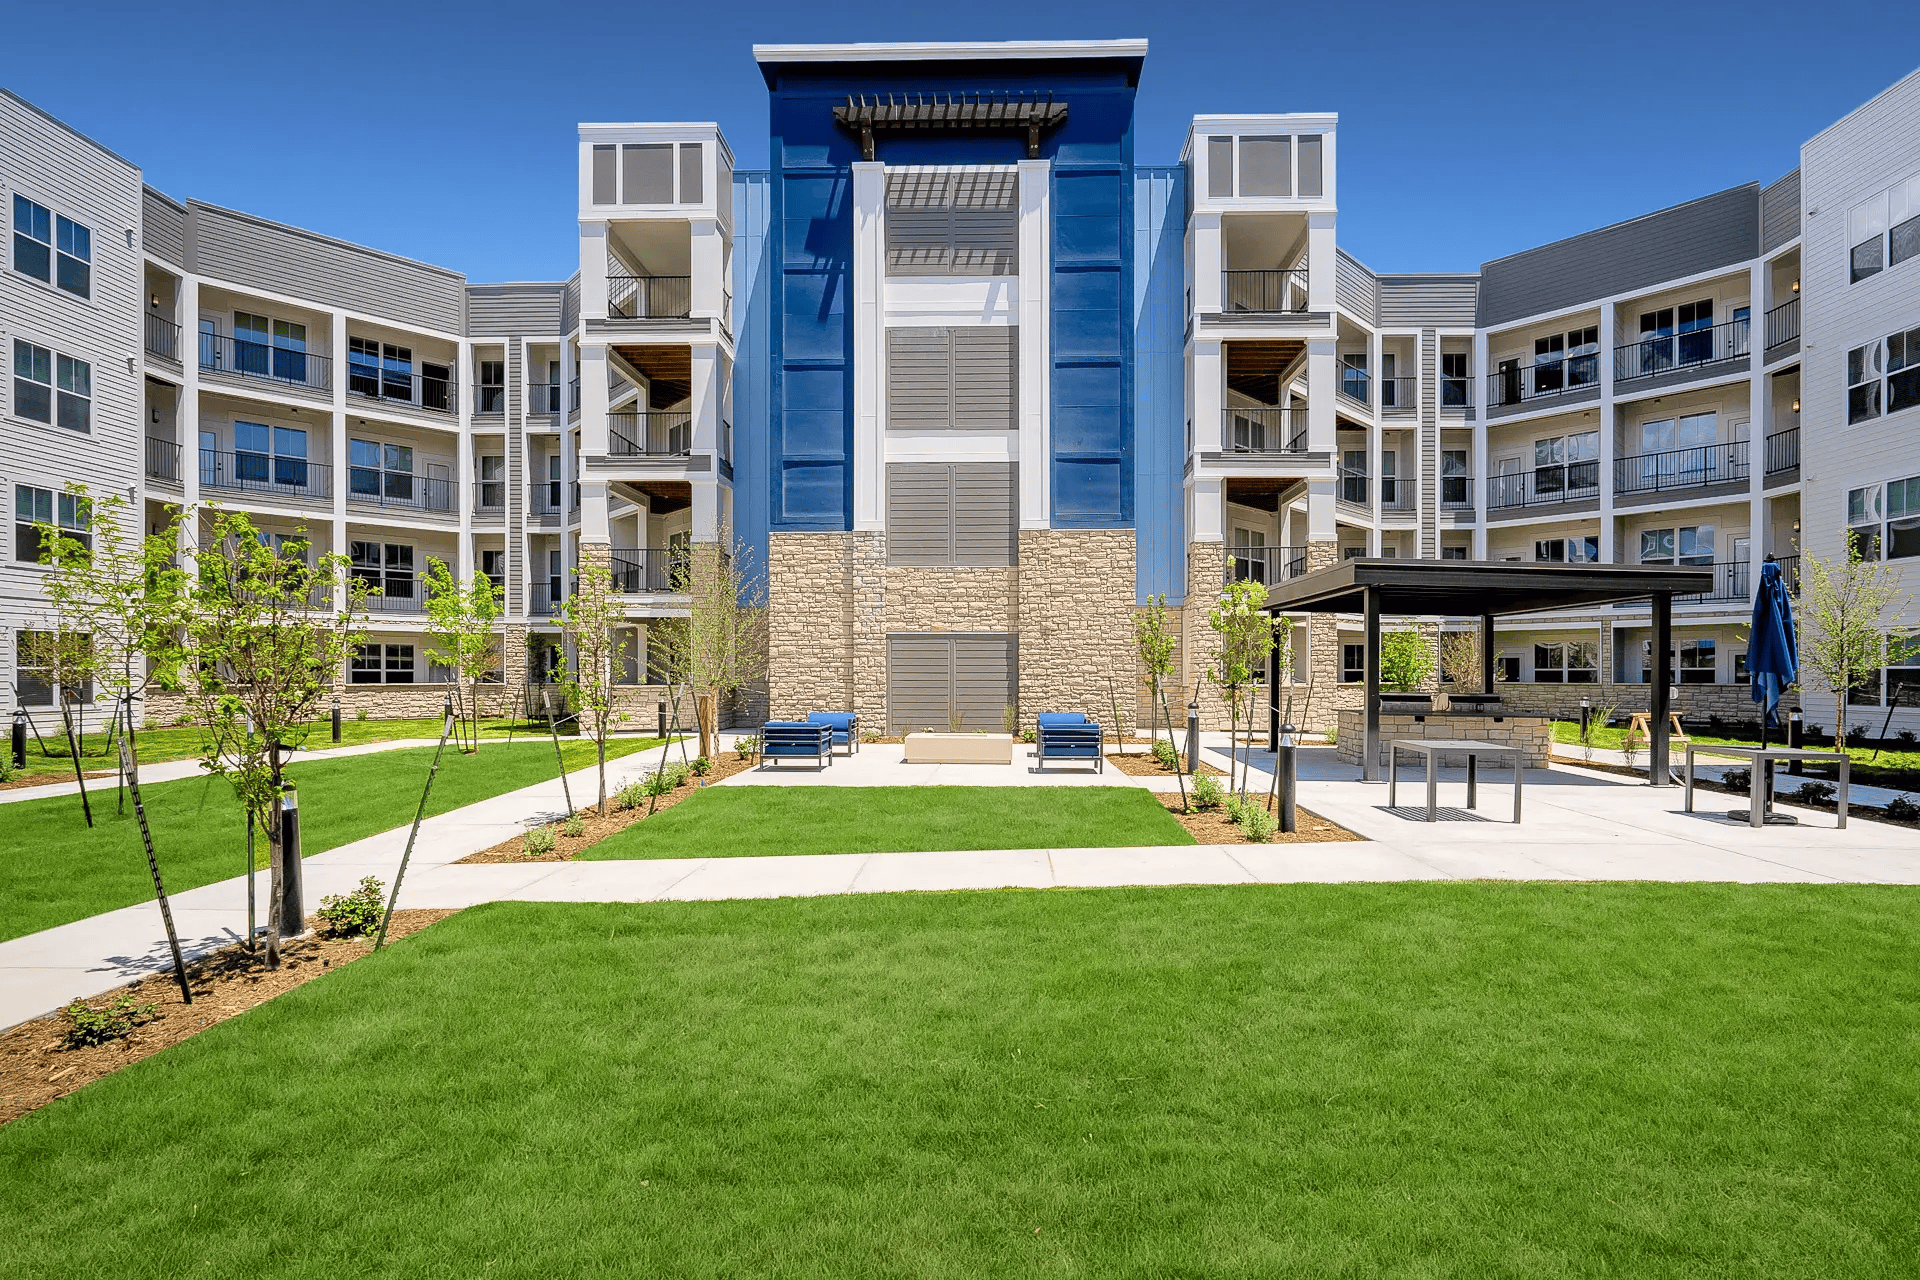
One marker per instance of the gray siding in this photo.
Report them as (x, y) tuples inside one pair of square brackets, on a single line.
[(1702, 235), (962, 379), (1780, 212), (570, 305), (1355, 290), (930, 677), (163, 227), (509, 310), (1418, 302), (952, 515), (251, 252)]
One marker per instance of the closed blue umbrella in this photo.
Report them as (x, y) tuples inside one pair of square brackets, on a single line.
[(1773, 657)]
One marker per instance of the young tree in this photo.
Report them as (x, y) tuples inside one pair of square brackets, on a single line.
[(462, 622), (1406, 660), (1850, 611), (721, 645), (1460, 660), (1245, 636), (1155, 641), (587, 621), (265, 646)]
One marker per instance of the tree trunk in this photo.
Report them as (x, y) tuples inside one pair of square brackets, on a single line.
[(600, 746), (705, 713), (269, 822)]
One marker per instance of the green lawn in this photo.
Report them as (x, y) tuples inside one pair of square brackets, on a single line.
[(742, 822), (1890, 768), (54, 870), (1441, 1080)]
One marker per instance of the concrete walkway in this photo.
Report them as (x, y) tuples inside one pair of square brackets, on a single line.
[(1578, 825)]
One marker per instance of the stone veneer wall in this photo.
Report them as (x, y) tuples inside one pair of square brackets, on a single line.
[(810, 620), (1533, 735), (1075, 609)]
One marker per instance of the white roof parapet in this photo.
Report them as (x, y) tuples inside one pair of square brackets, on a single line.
[(953, 51)]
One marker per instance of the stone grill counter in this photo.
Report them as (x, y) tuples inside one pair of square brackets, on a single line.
[(1533, 735)]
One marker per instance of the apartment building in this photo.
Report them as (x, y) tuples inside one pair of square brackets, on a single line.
[(965, 383)]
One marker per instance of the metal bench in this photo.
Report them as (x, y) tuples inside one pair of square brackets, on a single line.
[(845, 726), (1068, 736), (796, 740)]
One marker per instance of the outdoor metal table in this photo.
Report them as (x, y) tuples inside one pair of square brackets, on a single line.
[(1463, 746), (1761, 757)]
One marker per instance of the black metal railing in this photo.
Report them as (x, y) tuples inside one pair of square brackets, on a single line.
[(221, 354), (1680, 468), (573, 394), (1265, 430), (543, 599), (1783, 323), (392, 593), (1456, 492), (261, 473), (1399, 493), (1399, 397), (1282, 291), (1694, 349), (656, 434), (163, 460), (490, 497), (543, 397), (1544, 486), (398, 490), (1356, 385), (546, 497), (636, 569), (649, 297), (1731, 581), (1544, 379), (1783, 450), (163, 337), (1248, 563), (490, 397), (1456, 393), (440, 395), (1790, 573), (1355, 487)]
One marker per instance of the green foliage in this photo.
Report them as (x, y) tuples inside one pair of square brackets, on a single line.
[(747, 746), (1738, 781), (1847, 610), (702, 767), (1027, 735), (1165, 755), (1258, 825), (1208, 792), (360, 714), (587, 619), (1010, 718), (661, 781), (1237, 808), (1815, 792), (540, 841), (90, 1025), (631, 796), (8, 769), (1406, 660), (1902, 809), (356, 914), (461, 622), (573, 826)]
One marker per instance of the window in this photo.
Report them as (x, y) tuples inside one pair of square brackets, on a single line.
[(1455, 386), (493, 563), (953, 222), (1268, 165), (1353, 663), (34, 680), (73, 393), (32, 239), (380, 369), (1884, 376), (32, 381), (32, 508), (1884, 231), (1569, 662), (1566, 462), (386, 568), (1506, 666), (1454, 553), (73, 266), (1583, 550), (1698, 662), (493, 481), (382, 664), (1565, 361), (1690, 545), (1883, 521), (1456, 485), (492, 387), (961, 379), (1353, 376), (269, 455), (377, 470)]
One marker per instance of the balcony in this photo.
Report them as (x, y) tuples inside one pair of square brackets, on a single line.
[(1783, 451), (163, 337), (1544, 486), (1456, 492), (395, 593), (1669, 353), (489, 397), (657, 434), (1272, 431), (649, 297), (1456, 393), (1731, 581), (1399, 495), (490, 499), (547, 497), (1399, 397), (295, 479), (256, 360), (1357, 386), (654, 569), (1248, 563), (1680, 468), (543, 397), (163, 460), (543, 599), (1783, 326), (399, 386), (573, 395), (1355, 488), (1264, 292), (1544, 380), (398, 491)]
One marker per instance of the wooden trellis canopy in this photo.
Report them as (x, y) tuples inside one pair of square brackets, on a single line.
[(868, 114)]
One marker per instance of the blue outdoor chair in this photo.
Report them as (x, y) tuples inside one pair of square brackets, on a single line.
[(1068, 736), (796, 740), (845, 726)]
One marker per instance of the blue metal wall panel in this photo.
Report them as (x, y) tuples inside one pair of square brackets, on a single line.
[(1160, 399), (752, 367)]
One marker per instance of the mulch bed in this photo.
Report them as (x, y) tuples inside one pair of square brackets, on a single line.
[(36, 1067), (1138, 765), (594, 828), (1212, 826), (48, 779), (1784, 785)]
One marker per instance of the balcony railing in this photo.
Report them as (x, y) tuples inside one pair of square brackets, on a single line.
[(547, 497), (1544, 486), (1357, 386), (1783, 450), (489, 397), (543, 599), (1544, 379), (1257, 292), (1249, 563), (1355, 487), (658, 434), (1399, 397), (398, 490), (1731, 581), (163, 460), (260, 473), (1456, 492), (1694, 349), (1790, 573), (1680, 468), (1399, 494), (636, 569), (649, 297), (543, 397), (221, 354), (1265, 430), (439, 395), (573, 394), (490, 498), (394, 593), (1783, 323), (163, 337), (1456, 393)]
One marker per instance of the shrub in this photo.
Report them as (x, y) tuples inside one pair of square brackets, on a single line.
[(631, 796), (1906, 739), (657, 783), (539, 841), (1333, 735), (87, 1025), (1237, 809), (1857, 736), (1259, 826), (702, 767), (1901, 809), (1010, 718), (349, 915), (1814, 792), (8, 769), (573, 826), (1207, 792), (747, 746), (676, 774), (1026, 735), (1164, 753), (1739, 781), (360, 714)]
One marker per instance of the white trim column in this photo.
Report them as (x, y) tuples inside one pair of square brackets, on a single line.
[(341, 475), (188, 417), (464, 488), (1208, 389), (1036, 346), (1759, 422), (869, 268), (1209, 261), (1481, 399), (705, 396), (1609, 434)]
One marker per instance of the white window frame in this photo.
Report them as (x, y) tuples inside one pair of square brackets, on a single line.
[(1876, 221), (1876, 366)]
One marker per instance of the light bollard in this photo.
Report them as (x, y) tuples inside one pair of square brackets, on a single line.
[(1193, 736), (1796, 738), (336, 721), (1286, 766), (293, 911), (19, 739)]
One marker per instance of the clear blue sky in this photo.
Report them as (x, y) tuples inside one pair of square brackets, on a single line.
[(445, 132)]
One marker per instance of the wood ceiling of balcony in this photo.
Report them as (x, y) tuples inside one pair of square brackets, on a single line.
[(669, 371), (1254, 368), (1262, 494), (663, 497)]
